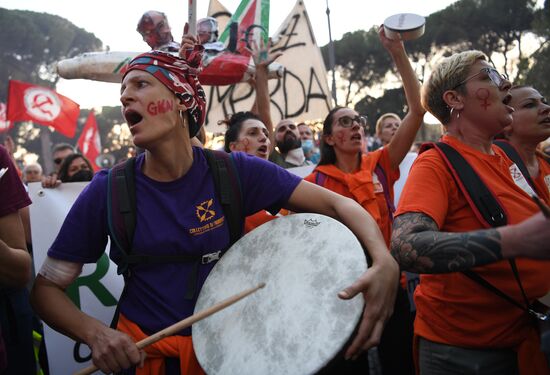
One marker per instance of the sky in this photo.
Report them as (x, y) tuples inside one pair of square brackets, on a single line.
[(114, 22)]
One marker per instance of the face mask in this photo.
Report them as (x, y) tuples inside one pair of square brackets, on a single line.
[(307, 145), (81, 176)]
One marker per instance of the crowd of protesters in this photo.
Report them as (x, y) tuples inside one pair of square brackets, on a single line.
[(482, 253)]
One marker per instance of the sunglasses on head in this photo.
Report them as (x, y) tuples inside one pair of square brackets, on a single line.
[(347, 121), (493, 74)]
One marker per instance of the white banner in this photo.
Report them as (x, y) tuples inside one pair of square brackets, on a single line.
[(301, 94), (97, 289)]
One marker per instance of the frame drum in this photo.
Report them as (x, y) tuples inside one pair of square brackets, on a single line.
[(297, 323)]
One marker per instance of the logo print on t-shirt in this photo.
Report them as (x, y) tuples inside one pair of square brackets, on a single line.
[(520, 180), (204, 213)]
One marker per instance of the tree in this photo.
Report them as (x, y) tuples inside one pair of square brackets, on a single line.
[(496, 27), (31, 44), (538, 72), (360, 59)]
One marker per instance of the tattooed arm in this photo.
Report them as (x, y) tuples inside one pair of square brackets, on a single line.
[(419, 246)]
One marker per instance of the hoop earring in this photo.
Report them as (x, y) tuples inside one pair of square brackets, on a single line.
[(451, 113)]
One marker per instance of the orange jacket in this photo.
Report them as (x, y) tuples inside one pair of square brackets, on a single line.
[(172, 346), (363, 186)]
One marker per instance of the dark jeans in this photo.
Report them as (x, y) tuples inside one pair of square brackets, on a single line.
[(16, 320), (441, 359), (396, 344), (395, 349)]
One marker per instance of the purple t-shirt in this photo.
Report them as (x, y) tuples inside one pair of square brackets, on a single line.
[(12, 192), (178, 217)]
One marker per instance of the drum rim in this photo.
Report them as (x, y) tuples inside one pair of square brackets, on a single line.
[(403, 30), (342, 341)]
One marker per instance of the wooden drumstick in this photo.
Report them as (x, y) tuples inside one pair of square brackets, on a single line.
[(545, 210), (176, 327)]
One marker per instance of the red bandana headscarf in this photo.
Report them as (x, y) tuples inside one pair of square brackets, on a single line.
[(180, 76)]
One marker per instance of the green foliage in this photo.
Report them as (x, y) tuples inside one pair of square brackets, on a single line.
[(392, 101), (31, 44), (495, 27)]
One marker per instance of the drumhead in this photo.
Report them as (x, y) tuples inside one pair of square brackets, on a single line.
[(404, 26), (297, 323)]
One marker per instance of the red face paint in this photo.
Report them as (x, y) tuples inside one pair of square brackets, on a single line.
[(339, 138), (483, 96), (245, 142), (159, 107)]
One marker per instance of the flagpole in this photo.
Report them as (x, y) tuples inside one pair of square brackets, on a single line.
[(331, 57)]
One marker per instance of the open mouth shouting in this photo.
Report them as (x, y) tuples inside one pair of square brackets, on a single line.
[(262, 151), (132, 118)]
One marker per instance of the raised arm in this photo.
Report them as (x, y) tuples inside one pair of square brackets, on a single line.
[(262, 59), (419, 246), (405, 134), (379, 284)]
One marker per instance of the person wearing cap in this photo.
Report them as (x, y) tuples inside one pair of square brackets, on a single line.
[(164, 105)]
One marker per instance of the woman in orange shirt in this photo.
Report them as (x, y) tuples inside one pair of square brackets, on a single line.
[(461, 326)]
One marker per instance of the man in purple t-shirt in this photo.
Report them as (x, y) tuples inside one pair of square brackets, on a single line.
[(15, 273)]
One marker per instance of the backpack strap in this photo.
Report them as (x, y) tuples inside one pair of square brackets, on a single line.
[(512, 153), (486, 208), (227, 184), (121, 207), (482, 201), (384, 182), (320, 178)]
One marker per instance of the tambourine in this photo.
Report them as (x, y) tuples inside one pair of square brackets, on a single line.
[(404, 26)]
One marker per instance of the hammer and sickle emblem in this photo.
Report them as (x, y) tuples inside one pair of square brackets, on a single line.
[(39, 104)]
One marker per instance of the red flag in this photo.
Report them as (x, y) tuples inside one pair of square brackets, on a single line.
[(89, 142), (5, 125), (28, 102)]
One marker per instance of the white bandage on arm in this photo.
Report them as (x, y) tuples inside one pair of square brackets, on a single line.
[(60, 272)]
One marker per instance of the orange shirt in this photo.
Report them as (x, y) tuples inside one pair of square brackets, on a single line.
[(259, 218), (451, 308), (363, 186), (542, 182)]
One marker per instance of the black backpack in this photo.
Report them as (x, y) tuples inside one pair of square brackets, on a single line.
[(121, 212)]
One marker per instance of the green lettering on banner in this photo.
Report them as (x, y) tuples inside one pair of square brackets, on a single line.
[(93, 283)]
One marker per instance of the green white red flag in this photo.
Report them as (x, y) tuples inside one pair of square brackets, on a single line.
[(252, 17)]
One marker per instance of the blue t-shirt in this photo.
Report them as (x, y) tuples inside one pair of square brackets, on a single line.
[(178, 217)]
